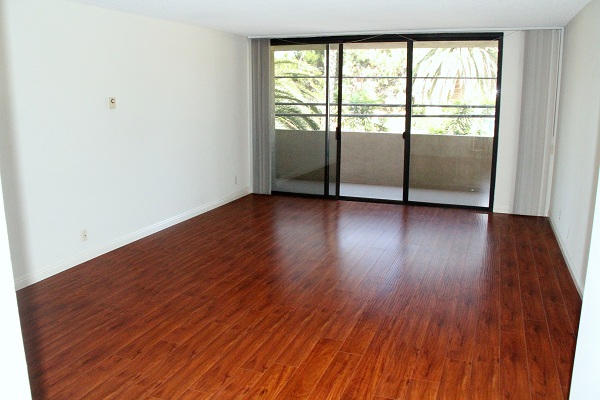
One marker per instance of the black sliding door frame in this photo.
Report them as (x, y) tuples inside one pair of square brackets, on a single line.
[(327, 123), (496, 123), (408, 121), (409, 39), (338, 128)]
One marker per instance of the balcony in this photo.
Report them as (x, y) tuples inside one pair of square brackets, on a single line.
[(447, 169)]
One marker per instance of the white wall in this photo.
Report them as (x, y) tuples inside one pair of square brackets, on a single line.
[(580, 97), (586, 370), (510, 119), (576, 151), (170, 150), (13, 368)]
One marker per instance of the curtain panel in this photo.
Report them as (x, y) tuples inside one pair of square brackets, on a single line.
[(538, 110), (262, 115)]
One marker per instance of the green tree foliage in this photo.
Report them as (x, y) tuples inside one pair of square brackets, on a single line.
[(459, 74), (299, 88), (446, 77), (375, 85)]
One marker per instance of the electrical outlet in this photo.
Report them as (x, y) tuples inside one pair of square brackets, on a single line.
[(236, 179), (84, 235)]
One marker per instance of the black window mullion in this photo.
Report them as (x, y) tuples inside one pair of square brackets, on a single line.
[(327, 116), (408, 121), (496, 125), (338, 130)]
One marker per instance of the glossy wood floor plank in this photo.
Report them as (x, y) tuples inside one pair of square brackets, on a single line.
[(238, 386), (213, 379), (365, 380), (456, 379), (421, 390), (400, 357), (281, 297), (306, 377), (335, 379), (545, 383), (485, 373), (514, 369), (272, 381)]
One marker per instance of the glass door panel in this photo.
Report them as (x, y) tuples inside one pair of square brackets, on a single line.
[(453, 122), (373, 120), (301, 128), (332, 143)]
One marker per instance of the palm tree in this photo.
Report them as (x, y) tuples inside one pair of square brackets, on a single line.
[(453, 76), (300, 89), (299, 93), (461, 75), (457, 79)]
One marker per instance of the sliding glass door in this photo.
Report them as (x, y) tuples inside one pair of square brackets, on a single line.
[(373, 120), (396, 118), (453, 126), (301, 128)]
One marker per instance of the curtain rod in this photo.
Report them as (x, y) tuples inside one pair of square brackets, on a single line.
[(407, 32)]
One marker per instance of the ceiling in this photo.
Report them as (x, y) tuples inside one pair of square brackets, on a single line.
[(276, 18)]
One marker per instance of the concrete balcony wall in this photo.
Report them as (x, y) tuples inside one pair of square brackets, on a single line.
[(445, 162), (299, 155), (449, 162), (372, 158)]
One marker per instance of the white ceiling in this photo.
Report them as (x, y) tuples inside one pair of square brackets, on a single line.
[(271, 18)]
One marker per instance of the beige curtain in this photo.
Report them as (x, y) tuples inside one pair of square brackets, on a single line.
[(262, 115), (538, 109)]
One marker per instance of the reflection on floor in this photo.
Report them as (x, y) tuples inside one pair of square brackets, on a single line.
[(476, 199)]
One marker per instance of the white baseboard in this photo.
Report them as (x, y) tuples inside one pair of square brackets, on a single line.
[(27, 280), (567, 256), (502, 209)]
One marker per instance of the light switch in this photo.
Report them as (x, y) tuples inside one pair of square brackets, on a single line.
[(112, 102)]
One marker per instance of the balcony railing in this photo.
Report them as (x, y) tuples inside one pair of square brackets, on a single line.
[(445, 162)]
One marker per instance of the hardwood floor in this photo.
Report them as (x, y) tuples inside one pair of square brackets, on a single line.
[(291, 298)]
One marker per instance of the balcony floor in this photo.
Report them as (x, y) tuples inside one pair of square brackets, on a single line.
[(476, 199)]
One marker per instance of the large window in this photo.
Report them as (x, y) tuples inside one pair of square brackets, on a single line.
[(375, 117)]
